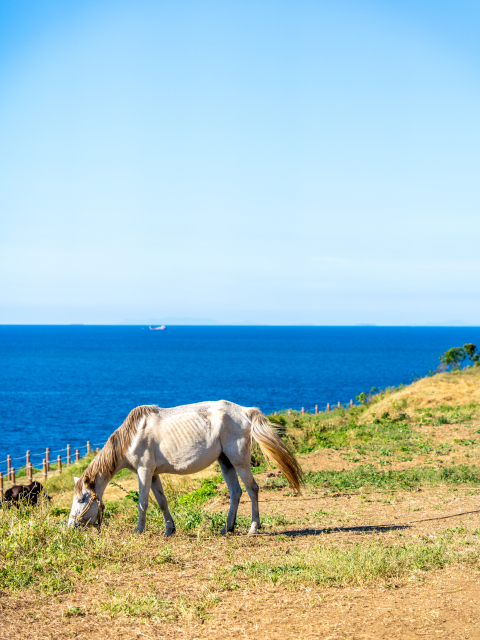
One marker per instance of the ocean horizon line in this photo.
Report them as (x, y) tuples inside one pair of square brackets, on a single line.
[(242, 324)]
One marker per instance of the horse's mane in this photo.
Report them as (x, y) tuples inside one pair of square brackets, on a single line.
[(107, 461)]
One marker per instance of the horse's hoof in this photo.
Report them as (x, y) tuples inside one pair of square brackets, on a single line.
[(225, 532), (168, 534)]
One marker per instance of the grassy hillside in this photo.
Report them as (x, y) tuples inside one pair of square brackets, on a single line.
[(452, 389), (401, 470), (434, 419)]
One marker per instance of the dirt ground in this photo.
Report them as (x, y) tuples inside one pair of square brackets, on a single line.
[(446, 605), (441, 603)]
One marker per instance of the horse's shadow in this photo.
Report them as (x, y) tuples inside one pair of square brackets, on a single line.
[(380, 528)]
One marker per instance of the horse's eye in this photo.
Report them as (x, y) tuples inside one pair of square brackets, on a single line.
[(81, 501)]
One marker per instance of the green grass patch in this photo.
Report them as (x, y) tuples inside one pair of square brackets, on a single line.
[(207, 490), (344, 431), (357, 565), (387, 434), (367, 478), (155, 607)]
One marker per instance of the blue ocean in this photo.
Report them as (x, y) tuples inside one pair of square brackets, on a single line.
[(64, 385)]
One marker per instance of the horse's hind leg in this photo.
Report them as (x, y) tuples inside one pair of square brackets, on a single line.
[(248, 480), (161, 499), (230, 476)]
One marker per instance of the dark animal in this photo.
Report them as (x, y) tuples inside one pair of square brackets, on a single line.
[(19, 493)]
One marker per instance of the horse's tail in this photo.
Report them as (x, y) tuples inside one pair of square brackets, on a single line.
[(274, 449)]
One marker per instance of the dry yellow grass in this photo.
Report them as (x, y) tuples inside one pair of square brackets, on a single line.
[(454, 388)]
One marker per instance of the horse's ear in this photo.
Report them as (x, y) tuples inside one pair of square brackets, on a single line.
[(75, 480), (88, 482)]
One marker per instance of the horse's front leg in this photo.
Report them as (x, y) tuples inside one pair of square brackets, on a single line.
[(144, 484)]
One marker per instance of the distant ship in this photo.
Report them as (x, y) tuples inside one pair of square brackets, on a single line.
[(162, 328)]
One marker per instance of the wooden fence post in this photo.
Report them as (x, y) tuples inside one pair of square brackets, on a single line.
[(328, 407), (77, 456), (45, 469), (68, 455), (303, 411), (1, 486), (316, 409), (47, 458), (28, 457), (339, 404), (59, 463), (9, 466), (351, 404), (29, 472), (12, 475), (88, 447), (289, 411)]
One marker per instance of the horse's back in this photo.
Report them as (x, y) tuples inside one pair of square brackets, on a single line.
[(189, 438), (207, 408)]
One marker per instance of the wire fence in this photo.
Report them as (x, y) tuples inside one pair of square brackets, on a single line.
[(328, 408), (33, 463), (30, 455)]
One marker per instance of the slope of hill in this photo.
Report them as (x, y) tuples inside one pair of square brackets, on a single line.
[(443, 389)]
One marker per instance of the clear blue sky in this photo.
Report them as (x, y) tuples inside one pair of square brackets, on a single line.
[(266, 162)]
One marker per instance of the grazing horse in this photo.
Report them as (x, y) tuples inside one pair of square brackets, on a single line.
[(19, 493), (183, 440)]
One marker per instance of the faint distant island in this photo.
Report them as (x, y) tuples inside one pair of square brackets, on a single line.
[(174, 321)]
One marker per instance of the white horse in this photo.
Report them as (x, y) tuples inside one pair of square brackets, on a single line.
[(183, 440)]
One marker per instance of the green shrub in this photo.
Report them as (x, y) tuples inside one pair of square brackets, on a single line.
[(456, 356)]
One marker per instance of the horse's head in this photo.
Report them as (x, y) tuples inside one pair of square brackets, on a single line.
[(87, 508)]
